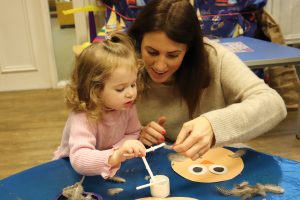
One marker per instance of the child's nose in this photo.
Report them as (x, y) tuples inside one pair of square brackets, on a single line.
[(129, 93)]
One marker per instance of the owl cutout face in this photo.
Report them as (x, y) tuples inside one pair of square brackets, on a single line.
[(216, 165)]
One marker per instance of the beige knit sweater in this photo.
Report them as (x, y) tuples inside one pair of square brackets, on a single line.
[(238, 104)]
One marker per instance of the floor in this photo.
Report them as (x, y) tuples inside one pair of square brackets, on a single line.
[(31, 124)]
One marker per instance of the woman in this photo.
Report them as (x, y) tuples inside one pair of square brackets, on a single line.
[(201, 94)]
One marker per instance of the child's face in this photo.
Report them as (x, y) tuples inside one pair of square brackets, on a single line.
[(120, 89)]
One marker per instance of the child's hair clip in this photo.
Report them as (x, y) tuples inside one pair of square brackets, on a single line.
[(107, 37)]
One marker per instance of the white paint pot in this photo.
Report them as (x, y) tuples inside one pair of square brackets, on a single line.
[(161, 187)]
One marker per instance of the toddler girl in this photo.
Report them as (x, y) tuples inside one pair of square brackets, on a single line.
[(103, 128)]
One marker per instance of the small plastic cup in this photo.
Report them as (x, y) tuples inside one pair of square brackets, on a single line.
[(161, 189)]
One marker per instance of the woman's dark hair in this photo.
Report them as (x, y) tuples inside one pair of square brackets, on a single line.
[(179, 21)]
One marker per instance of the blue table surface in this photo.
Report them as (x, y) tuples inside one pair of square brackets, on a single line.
[(46, 181), (264, 52)]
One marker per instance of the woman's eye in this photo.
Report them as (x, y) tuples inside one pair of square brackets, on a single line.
[(197, 169), (217, 169), (152, 53), (172, 56)]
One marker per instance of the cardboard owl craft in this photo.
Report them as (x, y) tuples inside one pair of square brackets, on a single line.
[(218, 164)]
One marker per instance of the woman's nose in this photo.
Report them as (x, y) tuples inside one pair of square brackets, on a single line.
[(160, 64)]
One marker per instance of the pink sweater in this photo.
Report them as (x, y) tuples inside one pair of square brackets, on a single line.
[(90, 145)]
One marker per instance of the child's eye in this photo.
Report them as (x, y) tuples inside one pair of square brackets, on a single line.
[(133, 85), (120, 89)]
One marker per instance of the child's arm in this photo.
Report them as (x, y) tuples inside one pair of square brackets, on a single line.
[(85, 158)]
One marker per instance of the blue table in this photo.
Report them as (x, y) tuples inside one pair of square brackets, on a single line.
[(47, 180), (266, 54)]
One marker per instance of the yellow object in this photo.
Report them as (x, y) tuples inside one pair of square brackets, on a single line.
[(64, 20), (112, 23), (88, 8), (85, 45)]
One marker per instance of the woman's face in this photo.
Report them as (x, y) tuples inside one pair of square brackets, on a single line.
[(162, 55)]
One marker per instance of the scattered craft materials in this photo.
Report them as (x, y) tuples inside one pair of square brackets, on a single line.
[(176, 157), (116, 179), (246, 191), (114, 191), (76, 192), (239, 153)]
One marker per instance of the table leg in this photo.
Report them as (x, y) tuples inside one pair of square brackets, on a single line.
[(298, 119)]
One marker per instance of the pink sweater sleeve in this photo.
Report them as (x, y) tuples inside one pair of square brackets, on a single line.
[(84, 156)]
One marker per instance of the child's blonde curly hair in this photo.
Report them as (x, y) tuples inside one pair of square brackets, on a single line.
[(93, 67)]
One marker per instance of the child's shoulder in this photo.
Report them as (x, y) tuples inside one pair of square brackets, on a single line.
[(77, 116)]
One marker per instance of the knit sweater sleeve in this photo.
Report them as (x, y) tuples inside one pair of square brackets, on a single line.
[(84, 157), (251, 106)]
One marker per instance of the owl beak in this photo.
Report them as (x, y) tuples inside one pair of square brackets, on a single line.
[(207, 162)]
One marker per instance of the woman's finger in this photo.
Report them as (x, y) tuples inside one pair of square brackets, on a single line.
[(182, 136), (157, 127), (151, 134), (162, 120)]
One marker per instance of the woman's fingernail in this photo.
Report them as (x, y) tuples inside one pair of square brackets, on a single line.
[(162, 139), (163, 131)]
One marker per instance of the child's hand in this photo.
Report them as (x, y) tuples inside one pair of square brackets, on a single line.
[(129, 149), (132, 148)]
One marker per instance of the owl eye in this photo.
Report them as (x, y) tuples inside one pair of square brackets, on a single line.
[(197, 169), (218, 169)]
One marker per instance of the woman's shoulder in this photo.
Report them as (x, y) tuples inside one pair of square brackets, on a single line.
[(213, 45)]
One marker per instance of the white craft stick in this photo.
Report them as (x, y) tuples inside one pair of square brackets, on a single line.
[(81, 181), (155, 147), (148, 185), (148, 150), (148, 168)]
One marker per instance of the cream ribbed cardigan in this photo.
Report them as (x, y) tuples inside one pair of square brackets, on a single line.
[(238, 104)]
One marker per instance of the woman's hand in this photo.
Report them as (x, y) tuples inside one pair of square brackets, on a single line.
[(153, 133), (128, 150), (195, 138)]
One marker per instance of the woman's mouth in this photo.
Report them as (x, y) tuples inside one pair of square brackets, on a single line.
[(158, 72), (158, 75)]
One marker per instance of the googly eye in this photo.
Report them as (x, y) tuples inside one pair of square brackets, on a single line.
[(197, 169), (218, 169)]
